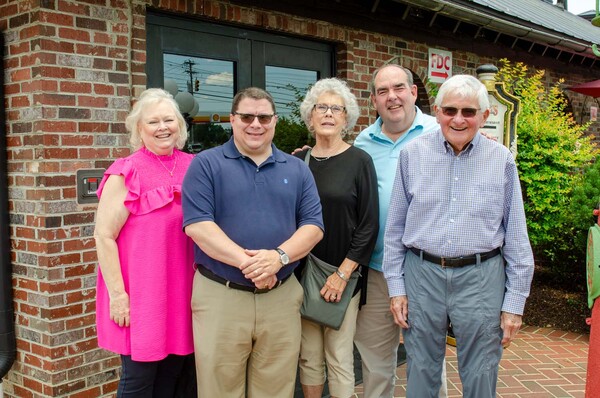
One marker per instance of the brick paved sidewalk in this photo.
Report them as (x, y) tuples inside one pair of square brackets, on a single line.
[(539, 363)]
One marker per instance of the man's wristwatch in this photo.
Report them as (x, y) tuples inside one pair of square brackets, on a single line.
[(283, 257)]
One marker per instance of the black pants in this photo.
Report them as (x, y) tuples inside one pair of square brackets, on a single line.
[(150, 379)]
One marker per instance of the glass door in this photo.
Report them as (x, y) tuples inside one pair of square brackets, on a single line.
[(203, 65)]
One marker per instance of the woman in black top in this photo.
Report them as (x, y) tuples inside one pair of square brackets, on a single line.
[(347, 186)]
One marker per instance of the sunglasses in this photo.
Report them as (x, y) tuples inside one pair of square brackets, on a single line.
[(335, 109), (451, 111), (249, 117)]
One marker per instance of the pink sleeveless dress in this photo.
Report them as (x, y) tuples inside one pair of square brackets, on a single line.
[(156, 258)]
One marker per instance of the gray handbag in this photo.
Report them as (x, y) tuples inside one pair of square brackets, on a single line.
[(315, 274), (314, 307)]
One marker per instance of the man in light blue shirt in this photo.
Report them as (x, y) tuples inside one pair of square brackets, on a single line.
[(456, 246), (393, 94)]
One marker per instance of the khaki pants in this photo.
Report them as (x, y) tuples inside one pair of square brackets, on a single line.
[(246, 344), (377, 339), (325, 346)]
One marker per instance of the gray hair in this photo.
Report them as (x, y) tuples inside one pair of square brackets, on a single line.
[(464, 86), (334, 86), (409, 75), (149, 97)]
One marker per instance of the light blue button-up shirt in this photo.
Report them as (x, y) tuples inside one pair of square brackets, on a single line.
[(385, 153), (457, 205)]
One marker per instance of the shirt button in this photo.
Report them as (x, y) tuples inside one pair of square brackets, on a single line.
[(454, 199), (452, 220), (455, 178)]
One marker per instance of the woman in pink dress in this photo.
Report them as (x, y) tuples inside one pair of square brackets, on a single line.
[(145, 260)]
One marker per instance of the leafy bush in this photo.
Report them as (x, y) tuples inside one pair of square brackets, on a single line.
[(585, 198), (552, 152)]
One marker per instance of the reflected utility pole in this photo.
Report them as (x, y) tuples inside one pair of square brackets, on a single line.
[(189, 64)]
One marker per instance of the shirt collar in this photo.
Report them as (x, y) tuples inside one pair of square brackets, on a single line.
[(378, 133), (231, 151), (465, 152)]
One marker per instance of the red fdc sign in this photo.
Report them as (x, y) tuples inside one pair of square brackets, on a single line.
[(440, 65)]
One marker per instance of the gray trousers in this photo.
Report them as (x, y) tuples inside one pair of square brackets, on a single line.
[(471, 297)]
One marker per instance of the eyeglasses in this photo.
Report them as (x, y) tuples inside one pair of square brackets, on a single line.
[(335, 109), (249, 117), (467, 113)]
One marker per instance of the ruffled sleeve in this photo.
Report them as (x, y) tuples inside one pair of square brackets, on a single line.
[(136, 202)]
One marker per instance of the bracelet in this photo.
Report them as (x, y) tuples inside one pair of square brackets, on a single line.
[(341, 275)]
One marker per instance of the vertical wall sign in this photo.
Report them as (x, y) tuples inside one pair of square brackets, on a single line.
[(504, 109)]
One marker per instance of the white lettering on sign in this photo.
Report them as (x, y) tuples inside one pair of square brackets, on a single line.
[(440, 65)]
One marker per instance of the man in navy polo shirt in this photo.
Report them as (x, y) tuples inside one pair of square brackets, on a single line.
[(253, 212)]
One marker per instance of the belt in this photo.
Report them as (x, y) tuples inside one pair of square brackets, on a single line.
[(236, 286), (455, 262)]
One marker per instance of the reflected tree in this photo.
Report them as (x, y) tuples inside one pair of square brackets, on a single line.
[(206, 135), (291, 132)]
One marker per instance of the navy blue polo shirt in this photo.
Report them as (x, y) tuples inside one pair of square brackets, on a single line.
[(258, 207)]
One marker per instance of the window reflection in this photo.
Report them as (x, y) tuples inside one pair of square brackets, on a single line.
[(288, 87), (204, 89), (211, 84)]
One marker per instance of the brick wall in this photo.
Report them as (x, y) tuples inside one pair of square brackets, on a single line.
[(71, 72), (72, 68)]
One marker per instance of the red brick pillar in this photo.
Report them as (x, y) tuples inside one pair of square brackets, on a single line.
[(72, 69)]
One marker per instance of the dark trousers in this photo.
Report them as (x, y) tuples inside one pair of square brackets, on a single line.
[(156, 379)]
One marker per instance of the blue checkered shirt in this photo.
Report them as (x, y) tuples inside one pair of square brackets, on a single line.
[(457, 205)]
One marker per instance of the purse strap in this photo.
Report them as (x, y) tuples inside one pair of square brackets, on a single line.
[(307, 157)]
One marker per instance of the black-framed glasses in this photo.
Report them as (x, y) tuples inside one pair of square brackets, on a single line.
[(249, 117), (335, 109), (467, 113)]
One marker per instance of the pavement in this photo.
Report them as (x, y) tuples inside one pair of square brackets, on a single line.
[(540, 362)]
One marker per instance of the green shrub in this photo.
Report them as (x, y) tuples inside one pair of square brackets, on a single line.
[(552, 151), (585, 198)]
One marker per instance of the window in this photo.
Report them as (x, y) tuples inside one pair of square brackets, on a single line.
[(212, 62), (286, 85)]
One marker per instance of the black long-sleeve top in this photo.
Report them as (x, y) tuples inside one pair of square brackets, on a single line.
[(347, 186)]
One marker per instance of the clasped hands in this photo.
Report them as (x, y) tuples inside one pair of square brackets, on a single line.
[(261, 267)]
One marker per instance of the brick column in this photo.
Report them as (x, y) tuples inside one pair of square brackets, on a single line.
[(72, 69)]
